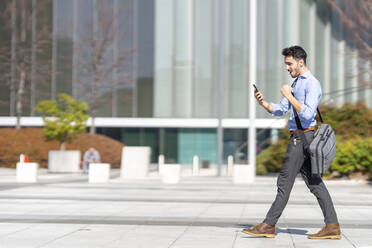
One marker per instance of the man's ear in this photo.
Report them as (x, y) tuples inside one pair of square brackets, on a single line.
[(301, 62)]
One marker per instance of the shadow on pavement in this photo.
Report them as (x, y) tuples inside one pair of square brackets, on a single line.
[(281, 230), (292, 231)]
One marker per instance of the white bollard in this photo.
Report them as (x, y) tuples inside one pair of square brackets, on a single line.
[(99, 172), (161, 160), (230, 165), (27, 172), (64, 161), (135, 162), (243, 174), (195, 165), (171, 173), (21, 158)]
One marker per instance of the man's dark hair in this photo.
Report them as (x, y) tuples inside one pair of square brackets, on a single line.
[(296, 52)]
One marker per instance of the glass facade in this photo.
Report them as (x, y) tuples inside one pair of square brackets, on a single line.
[(77, 42), (186, 73), (160, 59), (179, 145), (168, 52)]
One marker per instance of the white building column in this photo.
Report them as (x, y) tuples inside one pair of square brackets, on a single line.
[(274, 134), (339, 97), (312, 34), (252, 78), (354, 75), (262, 50), (367, 78), (183, 61), (221, 81), (163, 53), (281, 73), (327, 58), (292, 22)]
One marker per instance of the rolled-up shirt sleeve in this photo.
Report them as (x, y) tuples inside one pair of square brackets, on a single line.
[(312, 98), (280, 108)]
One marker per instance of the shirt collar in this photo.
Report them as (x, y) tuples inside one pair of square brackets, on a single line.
[(305, 75)]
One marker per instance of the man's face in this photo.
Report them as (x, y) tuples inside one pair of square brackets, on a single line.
[(292, 66)]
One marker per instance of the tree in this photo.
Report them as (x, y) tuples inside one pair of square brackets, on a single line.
[(105, 62), (355, 16), (356, 20), (26, 55), (70, 118)]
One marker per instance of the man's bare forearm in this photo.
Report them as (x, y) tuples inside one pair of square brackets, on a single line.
[(259, 97), (297, 105), (267, 106)]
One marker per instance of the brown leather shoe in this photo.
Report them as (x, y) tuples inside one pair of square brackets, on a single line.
[(330, 231), (261, 230)]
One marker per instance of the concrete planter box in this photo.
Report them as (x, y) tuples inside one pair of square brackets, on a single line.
[(171, 173), (99, 172), (27, 172), (135, 162), (243, 174), (64, 161)]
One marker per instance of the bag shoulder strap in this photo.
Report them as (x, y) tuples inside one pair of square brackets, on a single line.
[(320, 115), (317, 109), (300, 129), (299, 126)]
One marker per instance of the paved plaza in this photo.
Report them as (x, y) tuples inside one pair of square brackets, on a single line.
[(64, 210)]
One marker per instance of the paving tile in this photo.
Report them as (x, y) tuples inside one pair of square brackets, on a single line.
[(64, 210)]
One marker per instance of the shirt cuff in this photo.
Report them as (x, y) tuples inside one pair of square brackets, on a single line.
[(275, 109)]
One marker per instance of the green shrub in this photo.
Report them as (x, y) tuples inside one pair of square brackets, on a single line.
[(70, 118), (353, 155), (271, 159), (350, 122), (261, 169)]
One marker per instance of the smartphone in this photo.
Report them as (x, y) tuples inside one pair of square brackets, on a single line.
[(255, 87)]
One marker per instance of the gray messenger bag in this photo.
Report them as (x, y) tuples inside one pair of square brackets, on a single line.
[(322, 149)]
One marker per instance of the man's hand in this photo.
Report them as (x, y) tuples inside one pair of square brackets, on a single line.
[(262, 102), (259, 97), (286, 91)]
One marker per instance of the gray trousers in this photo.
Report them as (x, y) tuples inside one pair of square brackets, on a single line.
[(297, 162)]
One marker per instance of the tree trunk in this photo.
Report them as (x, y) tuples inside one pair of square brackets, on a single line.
[(93, 126), (21, 86), (97, 56), (13, 59), (20, 94), (94, 98), (62, 146), (33, 59)]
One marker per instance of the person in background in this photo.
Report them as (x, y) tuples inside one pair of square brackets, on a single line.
[(90, 156)]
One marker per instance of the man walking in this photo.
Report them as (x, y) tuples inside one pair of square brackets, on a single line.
[(305, 99)]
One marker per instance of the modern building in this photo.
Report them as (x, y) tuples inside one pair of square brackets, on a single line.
[(159, 66)]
